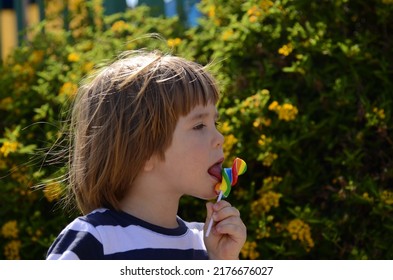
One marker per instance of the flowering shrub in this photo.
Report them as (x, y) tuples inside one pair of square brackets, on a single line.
[(306, 102), (318, 147), (38, 83)]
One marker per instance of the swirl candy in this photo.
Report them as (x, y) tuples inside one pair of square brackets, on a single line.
[(229, 179), (230, 176)]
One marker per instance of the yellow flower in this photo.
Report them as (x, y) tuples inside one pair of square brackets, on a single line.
[(253, 19), (376, 117), (301, 231), (271, 182), (36, 56), (263, 140), (87, 67), (380, 113), (278, 226), (265, 203), (54, 8), (36, 236), (286, 49), (274, 106), (212, 11), (173, 42), (53, 191), (367, 197), (68, 89), (6, 103), (230, 141), (263, 232), (268, 158), (212, 14), (287, 112), (254, 11), (265, 92), (11, 250), (17, 68), (227, 34), (249, 251), (119, 26), (24, 70), (73, 57), (254, 103), (10, 229), (257, 122), (74, 5), (266, 121), (225, 128), (266, 4), (387, 197), (9, 147)]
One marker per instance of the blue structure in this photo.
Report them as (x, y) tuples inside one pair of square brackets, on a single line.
[(186, 9), (191, 11)]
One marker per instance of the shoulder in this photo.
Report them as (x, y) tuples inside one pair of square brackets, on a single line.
[(194, 232), (194, 225), (80, 239), (190, 225), (99, 217)]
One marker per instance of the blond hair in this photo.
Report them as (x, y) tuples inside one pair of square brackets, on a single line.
[(125, 114)]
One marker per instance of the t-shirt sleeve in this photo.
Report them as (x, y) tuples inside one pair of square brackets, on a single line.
[(78, 241)]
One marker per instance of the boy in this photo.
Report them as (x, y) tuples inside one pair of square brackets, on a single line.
[(144, 134)]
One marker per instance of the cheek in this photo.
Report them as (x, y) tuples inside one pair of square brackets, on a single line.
[(189, 150), (189, 155)]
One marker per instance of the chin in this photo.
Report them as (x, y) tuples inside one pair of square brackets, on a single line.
[(211, 196)]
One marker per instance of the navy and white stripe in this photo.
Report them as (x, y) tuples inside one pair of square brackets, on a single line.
[(108, 234)]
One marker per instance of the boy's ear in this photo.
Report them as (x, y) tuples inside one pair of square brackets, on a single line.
[(150, 163)]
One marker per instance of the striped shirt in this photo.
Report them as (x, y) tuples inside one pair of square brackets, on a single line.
[(111, 235)]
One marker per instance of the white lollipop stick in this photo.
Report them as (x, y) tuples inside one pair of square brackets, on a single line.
[(209, 228)]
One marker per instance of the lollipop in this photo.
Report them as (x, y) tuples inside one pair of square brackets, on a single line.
[(229, 179)]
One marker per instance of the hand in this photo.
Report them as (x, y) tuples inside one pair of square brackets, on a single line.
[(228, 233)]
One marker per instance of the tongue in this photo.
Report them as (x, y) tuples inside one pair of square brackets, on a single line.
[(215, 171)]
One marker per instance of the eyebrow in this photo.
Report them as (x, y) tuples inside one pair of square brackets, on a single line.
[(198, 116)]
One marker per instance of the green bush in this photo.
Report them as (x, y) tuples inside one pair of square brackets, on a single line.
[(320, 161), (38, 81), (306, 102)]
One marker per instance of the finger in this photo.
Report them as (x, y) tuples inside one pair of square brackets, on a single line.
[(221, 204), (225, 213), (232, 226)]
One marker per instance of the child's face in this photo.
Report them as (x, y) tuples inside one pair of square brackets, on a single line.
[(196, 147)]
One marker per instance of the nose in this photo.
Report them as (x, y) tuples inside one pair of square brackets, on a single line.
[(219, 139)]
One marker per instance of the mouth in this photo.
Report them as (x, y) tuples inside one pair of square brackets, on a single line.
[(215, 170)]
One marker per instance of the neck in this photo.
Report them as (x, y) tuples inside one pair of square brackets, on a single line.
[(152, 205)]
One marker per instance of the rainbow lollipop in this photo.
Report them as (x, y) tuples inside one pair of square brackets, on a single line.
[(229, 179)]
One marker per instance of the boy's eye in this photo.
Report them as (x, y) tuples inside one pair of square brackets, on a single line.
[(199, 126)]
